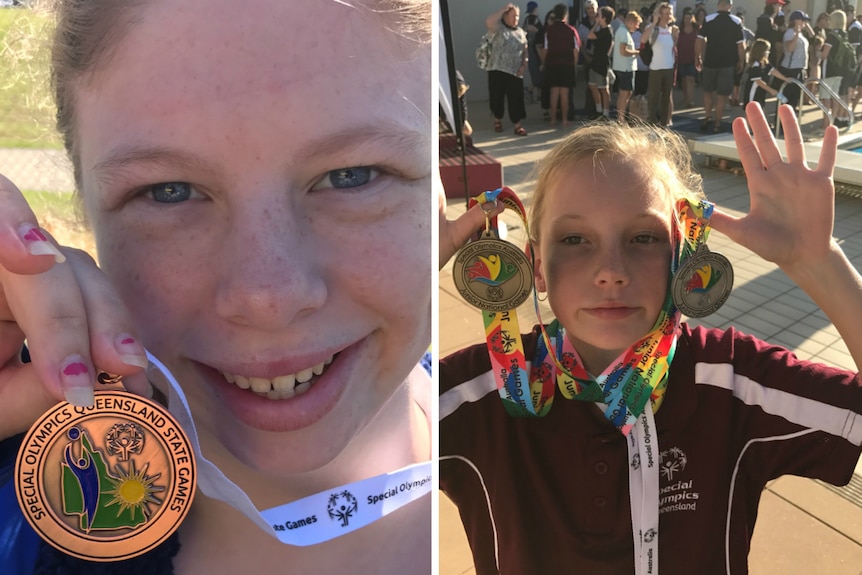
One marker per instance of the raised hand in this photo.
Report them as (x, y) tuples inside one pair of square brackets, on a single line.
[(455, 233), (792, 206), (72, 319)]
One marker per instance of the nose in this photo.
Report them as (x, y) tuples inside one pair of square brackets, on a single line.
[(270, 276), (611, 270)]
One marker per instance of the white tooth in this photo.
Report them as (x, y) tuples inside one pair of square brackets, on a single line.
[(277, 395), (241, 382), (304, 375), (260, 385), (284, 383), (328, 361), (230, 378), (302, 387), (318, 369)]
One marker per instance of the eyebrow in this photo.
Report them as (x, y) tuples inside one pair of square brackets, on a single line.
[(127, 155), (643, 215), (386, 135)]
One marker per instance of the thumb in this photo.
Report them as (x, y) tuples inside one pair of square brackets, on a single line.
[(458, 231)]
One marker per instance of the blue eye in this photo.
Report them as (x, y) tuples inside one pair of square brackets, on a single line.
[(346, 178), (170, 192), (573, 240), (644, 239)]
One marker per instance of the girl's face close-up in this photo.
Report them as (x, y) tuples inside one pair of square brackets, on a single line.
[(261, 199), (604, 255)]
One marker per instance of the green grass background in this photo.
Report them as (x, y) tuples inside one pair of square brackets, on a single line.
[(26, 109)]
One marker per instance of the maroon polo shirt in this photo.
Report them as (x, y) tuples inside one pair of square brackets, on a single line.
[(551, 494)]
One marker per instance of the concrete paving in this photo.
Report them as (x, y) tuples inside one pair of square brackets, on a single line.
[(803, 527)]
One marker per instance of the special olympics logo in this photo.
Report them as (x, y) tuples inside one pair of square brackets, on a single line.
[(342, 506), (650, 535), (672, 461)]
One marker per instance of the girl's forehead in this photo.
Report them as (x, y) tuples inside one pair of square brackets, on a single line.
[(595, 179)]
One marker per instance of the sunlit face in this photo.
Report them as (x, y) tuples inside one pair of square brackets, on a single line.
[(604, 256), (262, 203), (664, 15), (632, 25), (591, 12), (512, 17)]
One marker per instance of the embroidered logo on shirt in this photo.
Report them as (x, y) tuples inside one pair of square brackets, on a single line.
[(672, 461), (678, 495)]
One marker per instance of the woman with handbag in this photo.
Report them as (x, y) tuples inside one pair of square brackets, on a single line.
[(506, 66)]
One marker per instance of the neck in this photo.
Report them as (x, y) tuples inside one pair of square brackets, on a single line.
[(595, 359), (375, 449)]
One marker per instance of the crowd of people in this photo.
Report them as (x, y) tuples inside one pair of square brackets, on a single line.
[(629, 62)]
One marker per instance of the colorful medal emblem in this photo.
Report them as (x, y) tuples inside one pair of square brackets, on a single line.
[(109, 482), (493, 275), (703, 283)]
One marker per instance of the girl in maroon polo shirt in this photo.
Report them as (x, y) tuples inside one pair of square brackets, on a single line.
[(566, 491)]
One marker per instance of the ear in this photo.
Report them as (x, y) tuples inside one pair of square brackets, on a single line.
[(538, 275)]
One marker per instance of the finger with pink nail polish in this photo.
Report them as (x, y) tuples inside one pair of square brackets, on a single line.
[(38, 244), (131, 352), (77, 380)]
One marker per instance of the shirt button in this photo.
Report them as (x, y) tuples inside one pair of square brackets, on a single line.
[(601, 467), (600, 501)]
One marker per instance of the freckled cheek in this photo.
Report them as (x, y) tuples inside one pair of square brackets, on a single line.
[(157, 278), (560, 266), (388, 265)]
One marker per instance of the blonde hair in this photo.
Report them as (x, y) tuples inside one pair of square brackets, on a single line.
[(662, 157), (838, 19), (633, 16)]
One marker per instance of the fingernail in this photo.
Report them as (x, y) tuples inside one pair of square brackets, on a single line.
[(38, 244), (130, 351), (77, 381)]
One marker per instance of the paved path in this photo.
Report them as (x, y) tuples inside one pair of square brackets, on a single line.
[(37, 170)]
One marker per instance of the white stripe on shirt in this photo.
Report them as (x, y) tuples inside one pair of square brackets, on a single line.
[(802, 411)]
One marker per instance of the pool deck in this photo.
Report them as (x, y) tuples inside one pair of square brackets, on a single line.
[(803, 527)]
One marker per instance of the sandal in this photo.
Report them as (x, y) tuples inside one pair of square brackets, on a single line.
[(519, 131), (498, 126)]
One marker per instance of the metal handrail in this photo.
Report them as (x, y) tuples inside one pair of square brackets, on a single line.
[(804, 89)]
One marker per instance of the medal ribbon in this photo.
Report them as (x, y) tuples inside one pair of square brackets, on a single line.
[(313, 519), (521, 395)]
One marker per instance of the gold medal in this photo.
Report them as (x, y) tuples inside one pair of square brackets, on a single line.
[(703, 283), (492, 274), (108, 482)]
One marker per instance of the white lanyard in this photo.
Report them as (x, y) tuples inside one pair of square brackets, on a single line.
[(644, 491), (313, 519)]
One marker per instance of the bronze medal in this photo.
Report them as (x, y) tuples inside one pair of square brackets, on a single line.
[(108, 482), (493, 275), (702, 284)]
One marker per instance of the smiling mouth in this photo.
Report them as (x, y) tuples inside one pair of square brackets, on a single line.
[(283, 386)]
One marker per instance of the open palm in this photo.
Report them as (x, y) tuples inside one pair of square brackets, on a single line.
[(792, 207)]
